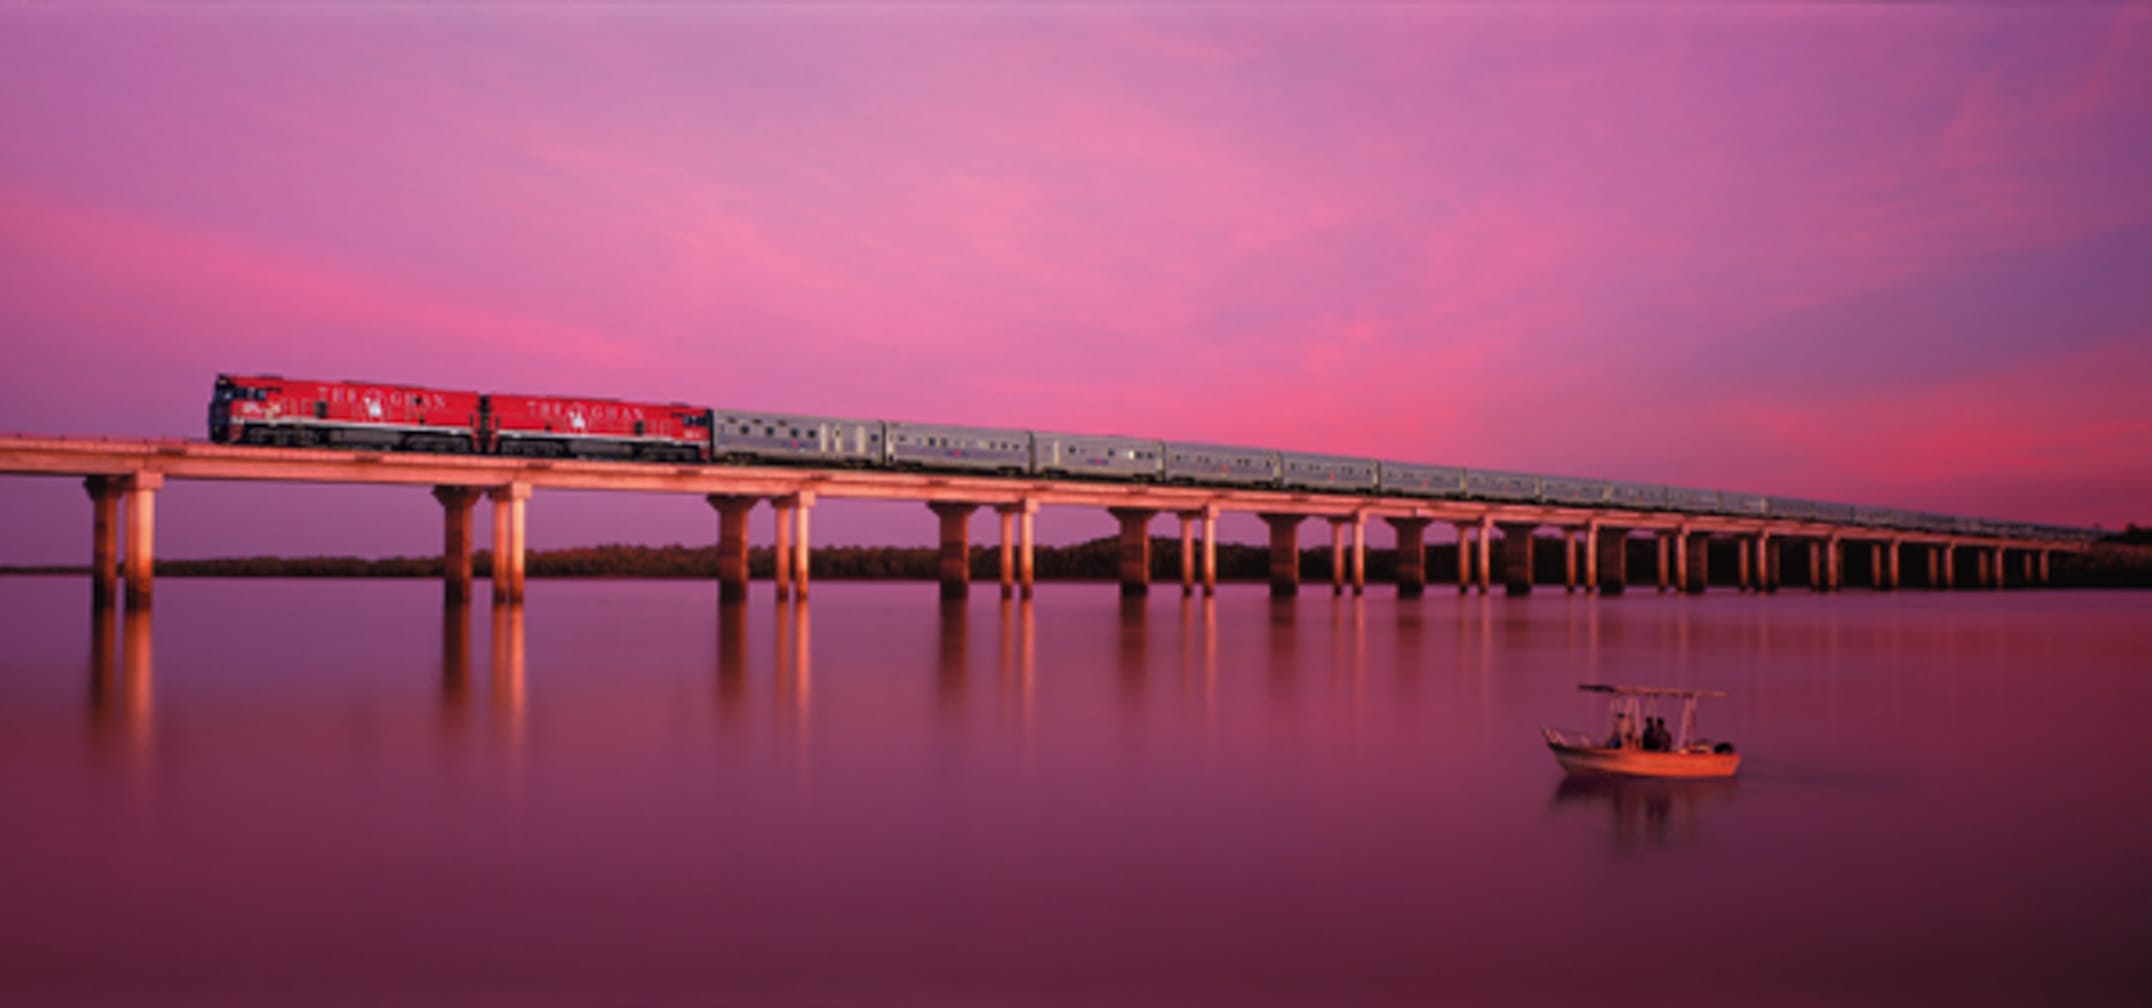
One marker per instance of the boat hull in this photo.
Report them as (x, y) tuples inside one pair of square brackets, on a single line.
[(1592, 761)]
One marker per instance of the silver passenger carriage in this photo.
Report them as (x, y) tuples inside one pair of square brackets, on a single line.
[(1648, 496), (1226, 464), (1490, 484), (792, 438), (1098, 456), (946, 446), (1692, 500), (1792, 507), (1417, 480), (1883, 517), (1745, 504), (1834, 511), (1571, 490), (1301, 471)]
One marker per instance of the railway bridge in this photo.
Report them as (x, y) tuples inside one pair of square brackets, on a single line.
[(124, 476)]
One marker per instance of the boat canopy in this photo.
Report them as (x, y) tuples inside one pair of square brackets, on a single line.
[(1650, 691)]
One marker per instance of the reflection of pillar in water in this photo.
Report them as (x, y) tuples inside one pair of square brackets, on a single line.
[(1027, 657), (1210, 659), (136, 676), (120, 698), (954, 664), (508, 701), (1005, 668), (1359, 658), (1591, 642), (1018, 655), (1283, 650), (119, 693), (1188, 645), (1134, 652), (104, 655), (731, 662), (1410, 637), (456, 663), (795, 666)]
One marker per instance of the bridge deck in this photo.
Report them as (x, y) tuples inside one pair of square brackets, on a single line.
[(135, 468)]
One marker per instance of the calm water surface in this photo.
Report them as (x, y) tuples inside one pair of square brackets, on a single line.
[(291, 792)]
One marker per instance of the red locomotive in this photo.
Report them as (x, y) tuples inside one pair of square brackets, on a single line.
[(596, 428), (268, 410)]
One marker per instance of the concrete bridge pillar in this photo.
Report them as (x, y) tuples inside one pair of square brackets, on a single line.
[(802, 503), (1834, 564), (508, 542), (1934, 567), (1663, 553), (1007, 514), (2028, 567), (1135, 550), (1016, 566), (1980, 566), (2043, 566), (1875, 566), (1284, 553), (1411, 555), (1485, 548), (1950, 565), (1891, 553), (1210, 551), (2002, 577), (781, 510), (1696, 550), (1188, 551), (1815, 565), (105, 496), (1590, 549), (955, 563), (1767, 557), (1517, 557), (140, 504), (1741, 561), (1359, 555), (1464, 556), (456, 506), (1569, 561), (731, 546), (1337, 554), (1610, 546)]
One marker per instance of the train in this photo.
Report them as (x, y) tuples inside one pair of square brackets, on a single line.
[(275, 411)]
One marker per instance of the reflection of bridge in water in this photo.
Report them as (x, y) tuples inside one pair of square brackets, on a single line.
[(765, 660), (123, 478)]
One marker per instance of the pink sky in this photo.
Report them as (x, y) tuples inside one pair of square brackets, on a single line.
[(1895, 255)]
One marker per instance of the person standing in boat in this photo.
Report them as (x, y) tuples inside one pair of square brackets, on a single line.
[(1624, 733)]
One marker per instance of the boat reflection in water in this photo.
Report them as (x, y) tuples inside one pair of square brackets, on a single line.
[(1643, 811)]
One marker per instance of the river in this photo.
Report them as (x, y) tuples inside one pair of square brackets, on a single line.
[(307, 792)]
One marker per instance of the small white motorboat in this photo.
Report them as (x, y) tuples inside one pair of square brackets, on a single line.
[(1640, 744)]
